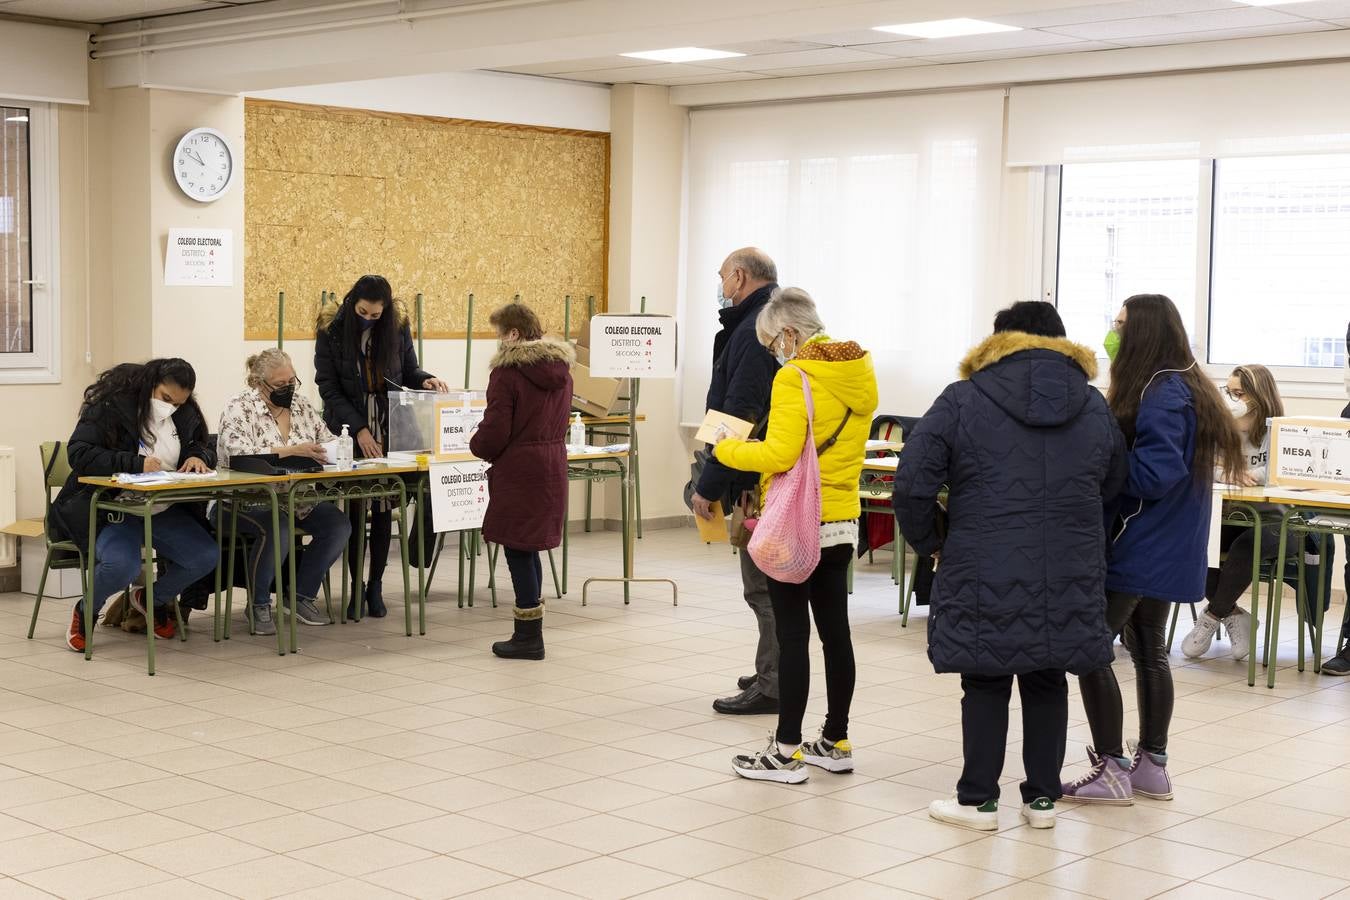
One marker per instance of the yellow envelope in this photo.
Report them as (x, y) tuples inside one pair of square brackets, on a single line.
[(714, 530), (730, 425)]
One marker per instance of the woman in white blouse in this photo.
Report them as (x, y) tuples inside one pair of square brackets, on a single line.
[(271, 417)]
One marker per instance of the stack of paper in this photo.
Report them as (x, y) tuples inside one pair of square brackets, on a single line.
[(162, 477)]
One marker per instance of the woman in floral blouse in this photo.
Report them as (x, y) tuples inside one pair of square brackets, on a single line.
[(270, 417)]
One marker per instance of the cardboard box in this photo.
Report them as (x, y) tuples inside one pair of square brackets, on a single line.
[(1310, 452), (61, 583), (593, 396), (583, 355)]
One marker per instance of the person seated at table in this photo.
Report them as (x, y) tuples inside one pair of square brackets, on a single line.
[(523, 434), (1029, 452), (271, 417), (843, 387), (363, 348), (137, 418), (1252, 397)]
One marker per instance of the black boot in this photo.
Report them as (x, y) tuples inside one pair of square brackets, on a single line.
[(527, 641), (375, 602)]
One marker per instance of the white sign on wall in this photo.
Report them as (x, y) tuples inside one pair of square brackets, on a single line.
[(638, 346), (459, 495), (202, 257)]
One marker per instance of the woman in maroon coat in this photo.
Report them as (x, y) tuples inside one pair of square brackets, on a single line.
[(523, 435)]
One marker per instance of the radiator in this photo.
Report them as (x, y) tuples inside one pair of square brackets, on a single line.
[(8, 506)]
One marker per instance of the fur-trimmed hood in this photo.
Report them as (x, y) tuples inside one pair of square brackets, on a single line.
[(328, 313), (1005, 343), (1039, 381), (544, 362)]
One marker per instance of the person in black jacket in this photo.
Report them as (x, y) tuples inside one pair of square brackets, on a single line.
[(363, 348), (1339, 665), (742, 380), (137, 418), (1029, 452)]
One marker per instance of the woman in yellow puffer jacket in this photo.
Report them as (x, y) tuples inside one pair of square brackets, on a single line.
[(844, 394)]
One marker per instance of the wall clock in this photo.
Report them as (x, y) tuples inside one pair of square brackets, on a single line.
[(204, 164)]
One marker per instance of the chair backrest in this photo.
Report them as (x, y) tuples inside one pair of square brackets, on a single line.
[(890, 428), (55, 472)]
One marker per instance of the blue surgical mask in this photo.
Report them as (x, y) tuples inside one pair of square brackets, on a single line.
[(782, 358)]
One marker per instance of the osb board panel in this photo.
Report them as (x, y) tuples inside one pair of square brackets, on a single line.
[(441, 207)]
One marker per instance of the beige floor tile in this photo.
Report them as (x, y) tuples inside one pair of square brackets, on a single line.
[(1274, 817), (196, 854), (679, 813), (141, 830), (347, 889), (606, 833), (1267, 879), (686, 856), (1169, 858), (1008, 857), (936, 878), (602, 794), (915, 835), (360, 855), (1196, 890), (438, 877), (1072, 837), (1309, 855), (1242, 840), (176, 889), (17, 890), (517, 890), (525, 855), (226, 812), (378, 812), (605, 878), (451, 833), (530, 812), (265, 877), (846, 856), (68, 812), (73, 881), (43, 851), (1108, 880)]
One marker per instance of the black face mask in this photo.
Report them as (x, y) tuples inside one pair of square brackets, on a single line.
[(282, 397)]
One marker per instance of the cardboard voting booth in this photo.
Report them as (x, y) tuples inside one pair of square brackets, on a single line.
[(1310, 452)]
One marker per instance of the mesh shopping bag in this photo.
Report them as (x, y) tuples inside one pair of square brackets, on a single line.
[(785, 544)]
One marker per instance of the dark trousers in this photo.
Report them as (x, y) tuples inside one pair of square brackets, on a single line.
[(328, 529), (381, 521), (1144, 621), (527, 576), (824, 595), (755, 585), (984, 734), (1227, 584)]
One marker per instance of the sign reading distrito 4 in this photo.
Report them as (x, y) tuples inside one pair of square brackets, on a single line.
[(1308, 452), (199, 256), (459, 495), (633, 346)]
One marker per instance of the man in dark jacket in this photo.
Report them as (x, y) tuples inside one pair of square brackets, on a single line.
[(742, 380), (1028, 451)]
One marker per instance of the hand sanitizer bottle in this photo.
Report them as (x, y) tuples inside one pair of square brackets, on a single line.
[(577, 438), (344, 459)]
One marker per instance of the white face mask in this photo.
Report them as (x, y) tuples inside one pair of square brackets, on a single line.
[(161, 410), (1237, 407)]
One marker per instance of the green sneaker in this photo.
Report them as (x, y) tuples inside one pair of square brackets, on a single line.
[(980, 818), (1039, 813)]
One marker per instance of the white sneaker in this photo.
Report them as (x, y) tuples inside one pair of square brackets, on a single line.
[(1039, 813), (1198, 641), (1239, 627), (980, 818)]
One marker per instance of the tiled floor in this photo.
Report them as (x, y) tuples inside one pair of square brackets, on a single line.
[(374, 765)]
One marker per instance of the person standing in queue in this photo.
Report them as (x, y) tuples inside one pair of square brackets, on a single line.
[(363, 348), (742, 381), (523, 434)]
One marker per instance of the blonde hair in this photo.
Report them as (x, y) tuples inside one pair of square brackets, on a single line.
[(264, 361), (1259, 386)]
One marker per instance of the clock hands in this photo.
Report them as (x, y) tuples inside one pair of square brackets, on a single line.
[(195, 155)]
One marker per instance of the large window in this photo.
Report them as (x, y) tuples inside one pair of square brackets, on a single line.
[(1254, 251), (29, 317)]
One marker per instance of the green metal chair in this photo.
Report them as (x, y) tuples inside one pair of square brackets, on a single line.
[(60, 554)]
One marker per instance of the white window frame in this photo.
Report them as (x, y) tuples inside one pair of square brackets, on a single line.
[(43, 364), (1294, 381)]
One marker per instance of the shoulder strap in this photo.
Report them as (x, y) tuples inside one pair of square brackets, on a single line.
[(51, 463), (833, 438)]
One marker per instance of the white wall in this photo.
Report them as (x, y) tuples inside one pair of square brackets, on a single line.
[(485, 96)]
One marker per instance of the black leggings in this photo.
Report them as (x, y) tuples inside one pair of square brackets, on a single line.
[(1144, 621), (1226, 585), (381, 531), (527, 576), (825, 593)]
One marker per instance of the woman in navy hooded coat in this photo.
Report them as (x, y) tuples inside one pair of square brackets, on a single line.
[(1028, 451)]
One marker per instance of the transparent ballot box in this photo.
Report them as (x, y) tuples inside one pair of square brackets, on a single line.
[(428, 422)]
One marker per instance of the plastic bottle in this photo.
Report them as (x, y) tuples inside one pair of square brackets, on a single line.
[(578, 435), (344, 461)]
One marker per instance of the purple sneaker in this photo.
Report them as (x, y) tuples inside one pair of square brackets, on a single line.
[(1106, 782), (1148, 775)]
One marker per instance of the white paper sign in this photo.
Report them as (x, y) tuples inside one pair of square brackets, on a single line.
[(459, 495), (199, 257), (640, 346), (1311, 453), (456, 423)]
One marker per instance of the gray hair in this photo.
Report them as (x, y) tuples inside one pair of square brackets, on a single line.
[(788, 308), (755, 262), (263, 363)]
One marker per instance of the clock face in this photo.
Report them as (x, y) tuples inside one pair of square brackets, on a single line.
[(203, 164)]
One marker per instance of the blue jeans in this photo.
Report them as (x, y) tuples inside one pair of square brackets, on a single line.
[(179, 540), (328, 529)]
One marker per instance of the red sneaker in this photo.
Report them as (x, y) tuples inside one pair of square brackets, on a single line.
[(75, 636), (165, 627)]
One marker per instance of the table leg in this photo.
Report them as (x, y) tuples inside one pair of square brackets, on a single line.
[(346, 558), (276, 561), (1320, 615), (1273, 638), (1301, 599), (626, 501), (1256, 597), (229, 571), (460, 594), (473, 563), (148, 551), (423, 493), (563, 588), (358, 584), (89, 576), (403, 555), (220, 558)]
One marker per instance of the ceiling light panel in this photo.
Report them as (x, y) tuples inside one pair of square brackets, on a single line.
[(1011, 40), (682, 54), (946, 28)]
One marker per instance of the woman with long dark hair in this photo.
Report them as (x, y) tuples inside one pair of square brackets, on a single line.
[(1178, 432), (138, 418), (363, 348)]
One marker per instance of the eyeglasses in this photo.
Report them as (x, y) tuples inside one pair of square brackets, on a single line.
[(1231, 394), (294, 382)]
